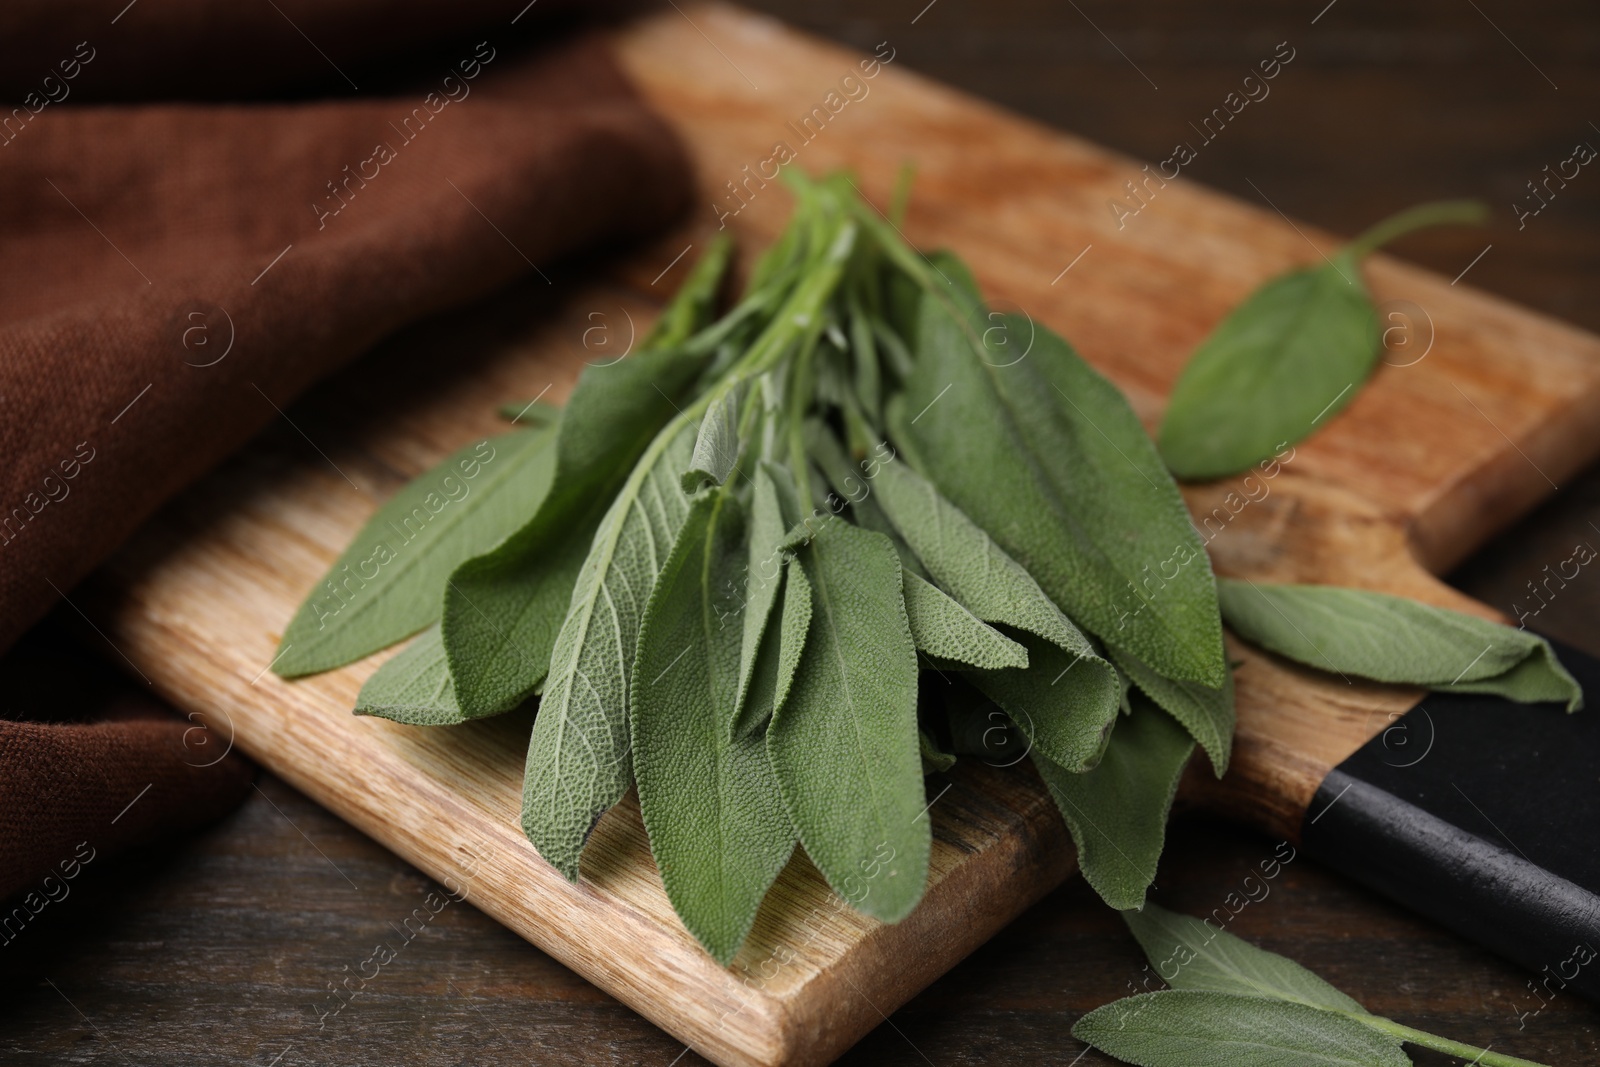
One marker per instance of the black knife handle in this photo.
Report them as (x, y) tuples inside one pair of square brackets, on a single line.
[(1483, 815)]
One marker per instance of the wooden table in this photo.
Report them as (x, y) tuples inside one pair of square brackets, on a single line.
[(216, 950)]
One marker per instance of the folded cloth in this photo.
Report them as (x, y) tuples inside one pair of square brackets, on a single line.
[(176, 273)]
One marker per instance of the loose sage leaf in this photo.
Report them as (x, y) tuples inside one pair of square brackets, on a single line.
[(694, 305), (1045, 454), (531, 413), (762, 577), (1294, 353), (844, 744), (943, 628), (1191, 954), (716, 446), (1117, 812), (1206, 713), (414, 686), (717, 824), (578, 756), (1183, 1028), (773, 674), (503, 609), (390, 582), (1391, 639)]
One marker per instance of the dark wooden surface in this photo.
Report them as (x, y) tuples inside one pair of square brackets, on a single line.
[(221, 949)]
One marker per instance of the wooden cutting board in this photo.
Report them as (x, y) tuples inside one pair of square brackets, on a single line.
[(1491, 409)]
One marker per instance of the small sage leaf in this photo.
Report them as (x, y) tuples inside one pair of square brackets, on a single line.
[(1191, 954), (414, 686), (944, 629), (1117, 812), (1279, 365), (1206, 713), (1392, 639), (390, 582), (717, 824), (1183, 1028), (844, 744)]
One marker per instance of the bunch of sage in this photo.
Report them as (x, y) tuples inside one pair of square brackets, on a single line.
[(729, 567)]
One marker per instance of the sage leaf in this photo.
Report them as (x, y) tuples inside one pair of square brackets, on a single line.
[(772, 676), (944, 629), (1045, 454), (762, 578), (1391, 639), (1065, 701), (1294, 353), (1207, 713), (717, 824), (934, 759), (844, 744), (1117, 812), (503, 609), (1189, 953), (413, 686), (716, 446), (1183, 1028), (578, 757), (390, 582)]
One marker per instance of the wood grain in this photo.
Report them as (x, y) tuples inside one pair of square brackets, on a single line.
[(1409, 478)]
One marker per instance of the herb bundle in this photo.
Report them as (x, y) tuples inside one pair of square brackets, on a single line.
[(729, 565)]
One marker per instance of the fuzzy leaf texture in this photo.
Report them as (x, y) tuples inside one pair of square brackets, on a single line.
[(763, 577), (772, 673), (1391, 639), (1190, 954), (1046, 455), (578, 757), (717, 824), (389, 583), (1207, 713), (945, 630), (503, 609), (1279, 365), (414, 686), (844, 744), (1117, 812), (1180, 1028)]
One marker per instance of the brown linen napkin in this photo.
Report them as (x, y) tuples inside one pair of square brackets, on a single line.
[(175, 274)]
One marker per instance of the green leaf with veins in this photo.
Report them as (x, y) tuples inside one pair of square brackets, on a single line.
[(844, 744), (944, 629), (414, 686), (578, 756), (1392, 639), (1045, 454), (390, 582), (1207, 713), (503, 609), (717, 824), (1117, 812), (772, 675)]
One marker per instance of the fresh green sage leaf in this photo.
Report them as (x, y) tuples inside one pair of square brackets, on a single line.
[(1206, 713), (1117, 812), (762, 578), (1294, 353), (503, 609), (1193, 954), (1391, 639), (414, 686), (578, 757), (718, 828), (390, 582), (934, 759), (716, 446), (1045, 454), (1184, 1028), (944, 629), (844, 744), (772, 676), (1065, 701)]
